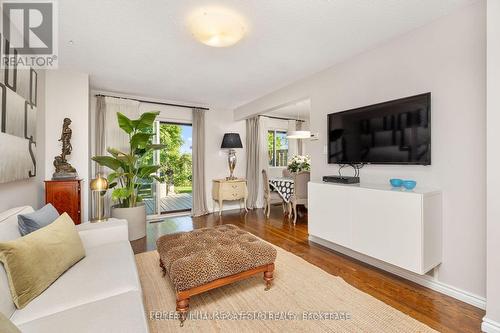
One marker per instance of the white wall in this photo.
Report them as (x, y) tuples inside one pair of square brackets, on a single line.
[(447, 58), (492, 320), (31, 191), (219, 121), (67, 96)]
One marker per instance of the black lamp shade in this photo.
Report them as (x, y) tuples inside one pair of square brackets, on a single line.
[(231, 140)]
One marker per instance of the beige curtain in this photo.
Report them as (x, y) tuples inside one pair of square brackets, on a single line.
[(263, 158), (199, 192), (253, 172), (100, 140), (114, 136), (108, 133)]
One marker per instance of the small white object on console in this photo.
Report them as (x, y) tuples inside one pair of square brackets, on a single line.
[(400, 227)]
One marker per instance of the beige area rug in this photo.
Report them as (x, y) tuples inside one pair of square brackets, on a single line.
[(303, 298)]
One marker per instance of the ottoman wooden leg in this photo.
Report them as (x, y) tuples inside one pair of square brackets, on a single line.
[(268, 276), (163, 268), (182, 308)]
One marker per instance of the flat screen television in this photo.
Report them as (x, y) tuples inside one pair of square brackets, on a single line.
[(394, 132)]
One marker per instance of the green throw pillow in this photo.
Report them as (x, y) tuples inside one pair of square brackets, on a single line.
[(35, 261)]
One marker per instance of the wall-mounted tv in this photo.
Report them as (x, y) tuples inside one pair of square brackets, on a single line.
[(394, 132)]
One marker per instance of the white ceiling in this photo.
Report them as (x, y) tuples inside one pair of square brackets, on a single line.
[(144, 48)]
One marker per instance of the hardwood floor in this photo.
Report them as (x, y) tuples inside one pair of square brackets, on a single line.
[(440, 312)]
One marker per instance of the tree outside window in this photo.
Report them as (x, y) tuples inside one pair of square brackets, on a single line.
[(175, 162), (277, 147)]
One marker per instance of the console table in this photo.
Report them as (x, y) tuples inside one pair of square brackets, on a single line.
[(229, 190), (399, 227)]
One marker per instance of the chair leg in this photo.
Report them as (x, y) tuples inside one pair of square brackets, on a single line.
[(294, 213), (268, 209), (265, 207)]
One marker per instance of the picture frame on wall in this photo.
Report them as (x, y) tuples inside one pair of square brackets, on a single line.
[(18, 119)]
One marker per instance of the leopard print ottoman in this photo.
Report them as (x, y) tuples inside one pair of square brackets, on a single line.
[(207, 258)]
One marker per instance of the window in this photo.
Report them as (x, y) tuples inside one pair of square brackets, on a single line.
[(277, 148)]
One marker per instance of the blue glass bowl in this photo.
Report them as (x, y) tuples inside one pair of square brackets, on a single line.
[(409, 184), (395, 182)]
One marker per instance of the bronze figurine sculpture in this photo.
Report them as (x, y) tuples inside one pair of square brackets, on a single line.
[(64, 170)]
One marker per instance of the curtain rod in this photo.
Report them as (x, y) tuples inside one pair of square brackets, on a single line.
[(152, 102), (280, 118)]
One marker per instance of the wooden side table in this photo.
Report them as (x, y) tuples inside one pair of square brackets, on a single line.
[(65, 196), (229, 190)]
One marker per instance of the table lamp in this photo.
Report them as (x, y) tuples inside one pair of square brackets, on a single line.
[(98, 186), (231, 141)]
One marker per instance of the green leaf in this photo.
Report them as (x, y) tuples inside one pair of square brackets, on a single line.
[(140, 152), (115, 152), (110, 186), (128, 160), (112, 176), (107, 161), (120, 193), (156, 146), (145, 171), (140, 140), (125, 123), (146, 120)]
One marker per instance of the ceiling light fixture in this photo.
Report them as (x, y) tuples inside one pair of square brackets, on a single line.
[(216, 26), (299, 135)]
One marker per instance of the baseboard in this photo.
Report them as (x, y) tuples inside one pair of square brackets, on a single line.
[(424, 280), (490, 326), (212, 210)]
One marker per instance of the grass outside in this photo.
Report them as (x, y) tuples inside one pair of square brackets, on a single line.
[(183, 189)]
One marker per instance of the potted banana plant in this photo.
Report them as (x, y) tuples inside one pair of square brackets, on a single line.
[(129, 170)]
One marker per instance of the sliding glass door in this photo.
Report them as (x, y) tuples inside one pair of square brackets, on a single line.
[(172, 193), (175, 190)]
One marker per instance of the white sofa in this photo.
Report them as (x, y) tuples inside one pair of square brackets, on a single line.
[(101, 293)]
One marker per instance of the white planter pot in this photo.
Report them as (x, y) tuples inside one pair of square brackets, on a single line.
[(136, 217)]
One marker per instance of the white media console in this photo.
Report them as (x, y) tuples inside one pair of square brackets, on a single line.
[(399, 227)]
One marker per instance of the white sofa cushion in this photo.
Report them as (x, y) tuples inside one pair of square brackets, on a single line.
[(96, 234), (9, 230), (123, 313), (106, 271)]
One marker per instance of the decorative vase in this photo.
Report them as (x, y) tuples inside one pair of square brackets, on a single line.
[(136, 218)]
